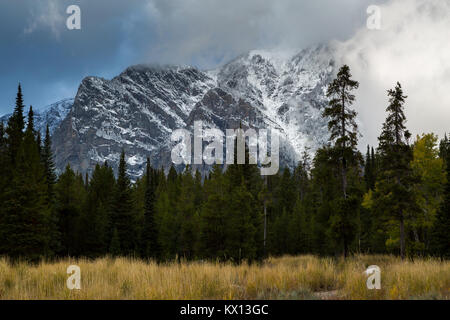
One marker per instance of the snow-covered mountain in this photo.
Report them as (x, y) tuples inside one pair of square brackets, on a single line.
[(290, 92), (139, 109), (52, 115)]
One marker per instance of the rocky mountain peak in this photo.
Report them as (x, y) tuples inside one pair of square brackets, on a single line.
[(139, 109)]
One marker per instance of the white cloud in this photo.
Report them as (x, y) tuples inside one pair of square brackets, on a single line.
[(46, 14), (412, 47), (208, 31)]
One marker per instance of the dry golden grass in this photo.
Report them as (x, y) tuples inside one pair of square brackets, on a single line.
[(302, 277)]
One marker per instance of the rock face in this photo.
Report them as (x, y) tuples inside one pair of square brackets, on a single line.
[(139, 109)]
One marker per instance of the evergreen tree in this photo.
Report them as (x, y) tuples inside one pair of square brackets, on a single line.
[(301, 175), (213, 217), (240, 227), (443, 148), (50, 178), (95, 221), (150, 233), (187, 215), (326, 188), (115, 248), (374, 167), (394, 196), (369, 170), (70, 199), (25, 213), (123, 219), (282, 207), (281, 239), (440, 237), (344, 134), (49, 164), (4, 165), (244, 177), (342, 124), (166, 214), (39, 143), (30, 123), (16, 125)]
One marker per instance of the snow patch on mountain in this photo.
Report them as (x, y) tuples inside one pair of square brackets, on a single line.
[(52, 115), (138, 110)]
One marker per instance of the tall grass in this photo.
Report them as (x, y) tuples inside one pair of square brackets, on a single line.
[(302, 277)]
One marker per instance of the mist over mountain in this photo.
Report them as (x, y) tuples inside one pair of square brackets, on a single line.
[(139, 109)]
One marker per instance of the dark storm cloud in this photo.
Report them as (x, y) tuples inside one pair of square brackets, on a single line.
[(50, 61), (210, 31)]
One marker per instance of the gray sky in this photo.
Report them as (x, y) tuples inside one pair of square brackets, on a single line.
[(50, 61), (412, 47)]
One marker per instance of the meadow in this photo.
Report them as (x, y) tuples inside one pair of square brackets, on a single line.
[(288, 277)]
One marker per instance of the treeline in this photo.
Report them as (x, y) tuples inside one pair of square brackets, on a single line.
[(395, 199)]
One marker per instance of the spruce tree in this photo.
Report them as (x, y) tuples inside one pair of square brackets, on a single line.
[(440, 237), (50, 178), (49, 164), (374, 167), (166, 213), (95, 221), (368, 170), (25, 210), (443, 147), (394, 197), (187, 215), (123, 219), (4, 163), (241, 233), (342, 124), (213, 217), (16, 125), (344, 135), (115, 248), (150, 232), (70, 200), (246, 176)]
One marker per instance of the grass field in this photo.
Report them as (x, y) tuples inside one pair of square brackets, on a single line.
[(302, 277)]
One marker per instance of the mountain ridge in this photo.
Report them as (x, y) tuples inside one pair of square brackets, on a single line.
[(138, 109), (52, 114)]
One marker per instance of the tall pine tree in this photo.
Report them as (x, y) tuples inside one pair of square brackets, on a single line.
[(25, 211), (123, 219), (344, 134), (16, 125), (150, 233), (394, 196)]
